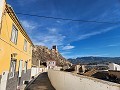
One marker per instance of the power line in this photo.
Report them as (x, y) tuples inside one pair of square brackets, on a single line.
[(67, 19)]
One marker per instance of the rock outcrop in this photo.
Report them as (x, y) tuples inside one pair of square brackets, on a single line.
[(41, 54)]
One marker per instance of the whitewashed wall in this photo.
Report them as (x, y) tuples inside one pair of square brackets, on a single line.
[(113, 66), (67, 81), (35, 71), (4, 80)]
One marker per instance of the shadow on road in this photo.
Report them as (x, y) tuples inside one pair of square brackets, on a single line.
[(42, 82)]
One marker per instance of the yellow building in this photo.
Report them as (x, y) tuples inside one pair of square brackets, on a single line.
[(15, 48)]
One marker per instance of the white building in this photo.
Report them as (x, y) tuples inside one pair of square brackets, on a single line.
[(113, 66), (51, 64)]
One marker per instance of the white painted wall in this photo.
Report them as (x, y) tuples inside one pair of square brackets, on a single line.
[(4, 80), (57, 68), (113, 66), (68, 81), (77, 68), (35, 71), (20, 68)]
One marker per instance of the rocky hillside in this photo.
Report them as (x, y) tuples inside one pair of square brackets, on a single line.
[(41, 54)]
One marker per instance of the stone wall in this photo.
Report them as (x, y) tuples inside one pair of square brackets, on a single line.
[(25, 76), (68, 81), (12, 82)]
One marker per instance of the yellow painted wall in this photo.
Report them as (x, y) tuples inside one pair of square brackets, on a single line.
[(7, 47)]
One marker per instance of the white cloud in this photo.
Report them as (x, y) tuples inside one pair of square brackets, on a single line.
[(28, 25), (85, 36), (39, 43), (49, 38), (65, 53), (58, 21), (52, 30), (52, 37), (112, 45), (68, 47)]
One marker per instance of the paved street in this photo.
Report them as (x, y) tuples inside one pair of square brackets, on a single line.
[(41, 83)]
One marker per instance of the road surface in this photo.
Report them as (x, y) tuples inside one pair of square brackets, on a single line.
[(42, 82)]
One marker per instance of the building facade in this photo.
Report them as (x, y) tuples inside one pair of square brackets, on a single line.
[(114, 67), (51, 64), (15, 50)]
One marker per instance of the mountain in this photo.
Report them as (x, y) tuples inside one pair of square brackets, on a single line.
[(41, 54), (95, 60)]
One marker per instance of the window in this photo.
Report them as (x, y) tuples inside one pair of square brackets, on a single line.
[(116, 68), (14, 35), (30, 50), (25, 67), (12, 68), (25, 45)]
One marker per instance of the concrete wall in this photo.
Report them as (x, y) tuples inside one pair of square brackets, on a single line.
[(68, 81), (25, 76), (35, 71), (57, 68), (12, 83)]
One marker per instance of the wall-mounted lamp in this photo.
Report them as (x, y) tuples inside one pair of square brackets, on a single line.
[(14, 54)]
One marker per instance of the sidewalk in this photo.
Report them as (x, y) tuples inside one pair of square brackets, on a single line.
[(42, 82)]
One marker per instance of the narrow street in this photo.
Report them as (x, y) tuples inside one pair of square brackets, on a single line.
[(41, 83)]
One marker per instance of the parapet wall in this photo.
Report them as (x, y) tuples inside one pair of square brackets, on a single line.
[(68, 81), (36, 70)]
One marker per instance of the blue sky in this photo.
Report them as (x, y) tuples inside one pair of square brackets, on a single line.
[(74, 39)]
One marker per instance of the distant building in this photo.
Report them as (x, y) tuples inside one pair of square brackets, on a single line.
[(54, 47), (15, 50), (114, 71), (113, 66), (51, 64)]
